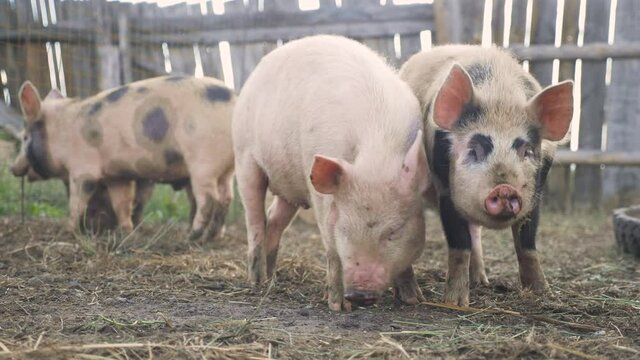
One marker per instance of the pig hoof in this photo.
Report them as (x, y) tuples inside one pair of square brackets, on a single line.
[(195, 234), (458, 297), (343, 305), (478, 280), (409, 294)]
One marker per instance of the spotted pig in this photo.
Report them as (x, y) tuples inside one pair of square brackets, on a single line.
[(173, 130), (491, 134), (324, 122)]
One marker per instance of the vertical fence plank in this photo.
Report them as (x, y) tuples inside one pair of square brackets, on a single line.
[(588, 179), (458, 21), (622, 108)]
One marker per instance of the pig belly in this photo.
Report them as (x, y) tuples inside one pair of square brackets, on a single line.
[(288, 183)]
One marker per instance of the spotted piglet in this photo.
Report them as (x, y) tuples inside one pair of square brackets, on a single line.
[(324, 122), (491, 134), (173, 130)]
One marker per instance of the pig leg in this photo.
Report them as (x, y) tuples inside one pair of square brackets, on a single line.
[(524, 238), (225, 193), (144, 190), (279, 217), (477, 275), (252, 185), (192, 203), (335, 291), (80, 191), (122, 194), (456, 230), (406, 288)]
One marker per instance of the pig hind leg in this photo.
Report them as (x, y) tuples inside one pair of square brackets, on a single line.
[(279, 217), (524, 238), (252, 185), (477, 274), (221, 206), (122, 194), (205, 195)]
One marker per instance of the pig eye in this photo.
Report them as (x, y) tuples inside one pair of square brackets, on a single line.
[(528, 153)]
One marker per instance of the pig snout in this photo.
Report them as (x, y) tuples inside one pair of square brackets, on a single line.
[(19, 169), (365, 284), (503, 202)]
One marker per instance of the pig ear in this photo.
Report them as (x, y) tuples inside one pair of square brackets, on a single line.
[(414, 173), (29, 101), (327, 174), (553, 107), (455, 93), (54, 94)]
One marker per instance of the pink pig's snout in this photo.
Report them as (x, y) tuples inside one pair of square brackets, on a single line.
[(365, 283), (503, 202)]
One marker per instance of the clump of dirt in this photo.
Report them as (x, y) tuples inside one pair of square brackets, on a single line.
[(154, 293)]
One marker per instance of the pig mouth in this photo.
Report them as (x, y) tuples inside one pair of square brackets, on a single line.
[(19, 171)]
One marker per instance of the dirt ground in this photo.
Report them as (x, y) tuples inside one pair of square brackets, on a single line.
[(156, 295)]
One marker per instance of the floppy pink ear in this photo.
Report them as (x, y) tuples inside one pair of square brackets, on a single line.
[(553, 107), (454, 94), (326, 174), (29, 101), (414, 174)]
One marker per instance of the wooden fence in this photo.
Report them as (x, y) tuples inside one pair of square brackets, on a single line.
[(82, 47)]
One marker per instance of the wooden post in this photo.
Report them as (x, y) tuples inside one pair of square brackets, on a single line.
[(588, 179), (124, 46), (622, 107), (458, 21), (108, 55)]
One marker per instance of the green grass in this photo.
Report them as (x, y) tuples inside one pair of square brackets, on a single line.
[(49, 199)]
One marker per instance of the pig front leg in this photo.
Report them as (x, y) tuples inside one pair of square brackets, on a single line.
[(335, 286), (221, 207), (122, 194), (80, 191), (524, 238), (252, 186), (406, 289), (477, 274), (456, 230)]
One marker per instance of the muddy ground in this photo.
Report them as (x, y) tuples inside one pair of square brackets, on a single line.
[(155, 294)]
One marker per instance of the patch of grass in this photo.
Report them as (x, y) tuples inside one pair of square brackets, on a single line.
[(41, 199), (166, 204)]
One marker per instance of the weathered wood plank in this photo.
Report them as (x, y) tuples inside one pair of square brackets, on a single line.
[(458, 21), (622, 108), (593, 51), (596, 157), (588, 179), (290, 16)]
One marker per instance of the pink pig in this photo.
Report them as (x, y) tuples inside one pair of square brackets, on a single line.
[(325, 122)]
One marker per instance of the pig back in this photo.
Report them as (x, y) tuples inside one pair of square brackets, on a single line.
[(157, 129), (321, 95)]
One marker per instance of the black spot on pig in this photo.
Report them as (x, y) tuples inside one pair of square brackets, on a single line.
[(215, 93), (534, 136), (175, 78), (92, 133), (541, 175), (89, 186), (479, 73), (37, 150), (173, 157), (480, 147), (95, 108), (441, 151), (155, 125), (180, 184), (518, 143), (470, 113), (116, 94), (456, 228), (530, 87)]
